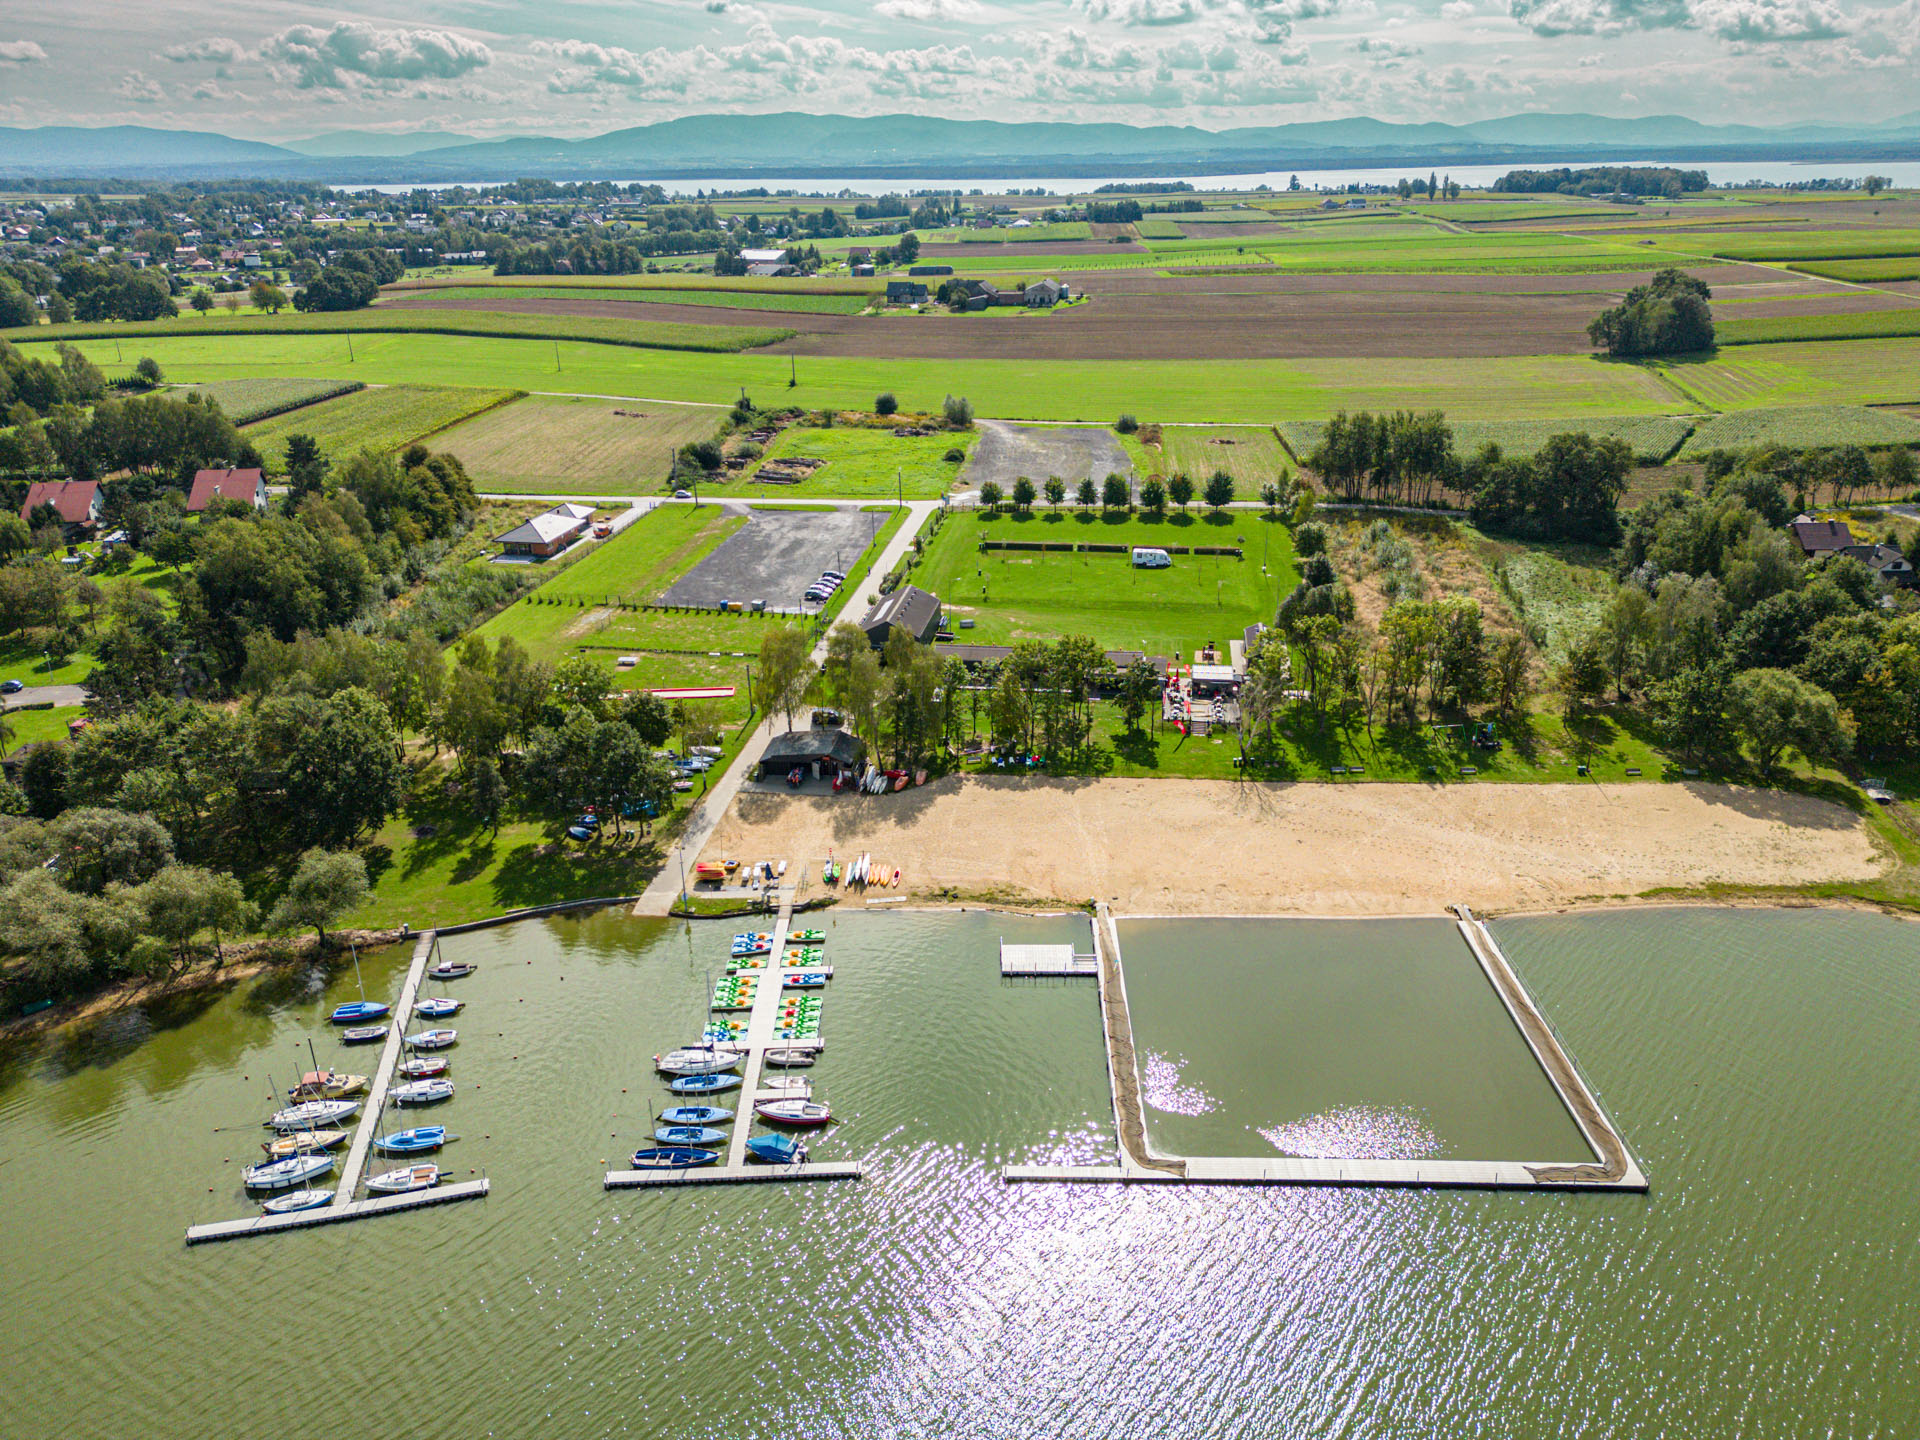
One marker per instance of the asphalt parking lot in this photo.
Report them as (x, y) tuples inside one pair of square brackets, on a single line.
[(776, 555), (1006, 452)]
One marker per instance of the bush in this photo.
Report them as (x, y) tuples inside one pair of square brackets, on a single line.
[(1310, 538), (1126, 424), (147, 372), (959, 412), (704, 453), (954, 455), (885, 404)]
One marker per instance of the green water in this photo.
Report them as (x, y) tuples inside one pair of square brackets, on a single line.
[(1762, 1065), (1374, 1039)]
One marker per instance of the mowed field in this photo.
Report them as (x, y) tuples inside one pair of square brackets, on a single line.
[(1252, 454), (1042, 595), (380, 418), (556, 444), (863, 463)]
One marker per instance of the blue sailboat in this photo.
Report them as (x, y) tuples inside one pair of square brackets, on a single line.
[(354, 1011), (417, 1141), (689, 1135), (703, 1084), (673, 1157), (695, 1115)]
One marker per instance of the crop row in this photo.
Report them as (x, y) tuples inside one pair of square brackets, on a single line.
[(1802, 427), (1857, 325), (246, 401)]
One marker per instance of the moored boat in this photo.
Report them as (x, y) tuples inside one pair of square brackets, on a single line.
[(794, 1112), (673, 1157), (364, 1034), (399, 1182), (355, 1011), (412, 1142), (301, 1141), (290, 1173), (790, 1057), (451, 969), (432, 1039), (312, 1115), (696, 1115), (297, 1201), (696, 1060), (777, 1149), (422, 1067), (437, 1007), (327, 1085), (703, 1084), (689, 1135), (787, 1084), (422, 1092)]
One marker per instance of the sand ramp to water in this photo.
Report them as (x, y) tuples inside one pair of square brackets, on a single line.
[(1199, 847)]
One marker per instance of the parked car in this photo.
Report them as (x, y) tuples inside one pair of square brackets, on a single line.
[(12, 687), (683, 494), (833, 575)]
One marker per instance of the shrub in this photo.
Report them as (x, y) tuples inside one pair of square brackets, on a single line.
[(885, 404), (954, 455), (704, 453), (147, 372), (959, 411), (1310, 538), (1126, 424)]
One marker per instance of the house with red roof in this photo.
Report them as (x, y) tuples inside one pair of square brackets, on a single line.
[(249, 487), (77, 501)]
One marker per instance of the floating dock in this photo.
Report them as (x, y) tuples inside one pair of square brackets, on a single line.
[(1136, 1162), (343, 1206), (754, 1045), (1024, 960)]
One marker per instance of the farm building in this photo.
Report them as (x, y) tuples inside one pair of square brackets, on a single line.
[(905, 292), (771, 270), (819, 752), (249, 487), (77, 502), (546, 534), (1885, 561), (763, 257), (909, 608), (929, 270)]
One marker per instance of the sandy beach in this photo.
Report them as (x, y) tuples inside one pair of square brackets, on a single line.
[(1201, 847)]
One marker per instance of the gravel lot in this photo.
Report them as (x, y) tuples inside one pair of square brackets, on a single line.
[(776, 555), (1073, 452)]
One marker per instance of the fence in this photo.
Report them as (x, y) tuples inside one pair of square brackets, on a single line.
[(1092, 547)]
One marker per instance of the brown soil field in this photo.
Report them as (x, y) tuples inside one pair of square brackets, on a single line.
[(1053, 249), (736, 317), (1221, 847), (1105, 282)]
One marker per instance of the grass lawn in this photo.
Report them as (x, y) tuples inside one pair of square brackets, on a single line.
[(1020, 595), (34, 725), (867, 462), (1802, 425), (658, 295), (382, 418), (555, 444), (632, 568), (244, 401), (1252, 454)]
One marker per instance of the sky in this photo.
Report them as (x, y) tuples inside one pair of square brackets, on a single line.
[(277, 71)]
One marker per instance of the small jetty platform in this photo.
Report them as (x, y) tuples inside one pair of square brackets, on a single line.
[(1038, 960), (754, 1044), (1136, 1162), (344, 1207)]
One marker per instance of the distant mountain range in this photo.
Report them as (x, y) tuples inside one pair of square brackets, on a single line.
[(744, 147)]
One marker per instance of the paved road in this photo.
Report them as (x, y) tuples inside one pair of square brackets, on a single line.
[(660, 896), (41, 694)]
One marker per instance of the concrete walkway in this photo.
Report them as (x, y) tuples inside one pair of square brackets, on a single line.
[(660, 896)]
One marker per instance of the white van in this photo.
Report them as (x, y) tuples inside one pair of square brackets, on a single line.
[(1145, 557)]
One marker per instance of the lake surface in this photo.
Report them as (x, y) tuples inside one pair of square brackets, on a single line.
[(1762, 1065), (1349, 1039)]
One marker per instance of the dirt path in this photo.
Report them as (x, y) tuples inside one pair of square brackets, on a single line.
[(1220, 847)]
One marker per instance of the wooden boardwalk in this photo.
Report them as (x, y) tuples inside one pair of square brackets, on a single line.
[(383, 1077)]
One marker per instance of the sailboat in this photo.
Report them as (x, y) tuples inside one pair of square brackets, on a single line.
[(287, 1174), (297, 1201), (794, 1112), (412, 1142), (312, 1115), (327, 1085), (301, 1141), (696, 1060), (399, 1182), (422, 1092), (777, 1149)]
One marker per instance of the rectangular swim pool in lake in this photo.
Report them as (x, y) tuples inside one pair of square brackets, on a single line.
[(1333, 1039)]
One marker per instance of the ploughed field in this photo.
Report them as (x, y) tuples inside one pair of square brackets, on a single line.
[(1141, 316)]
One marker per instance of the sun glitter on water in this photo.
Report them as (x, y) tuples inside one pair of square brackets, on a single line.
[(1357, 1132), (1162, 1088)]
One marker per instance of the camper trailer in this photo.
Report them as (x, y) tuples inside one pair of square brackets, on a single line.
[(1146, 557)]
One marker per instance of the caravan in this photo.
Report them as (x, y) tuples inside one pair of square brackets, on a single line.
[(1146, 557)]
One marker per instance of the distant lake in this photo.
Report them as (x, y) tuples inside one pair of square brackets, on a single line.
[(1904, 173)]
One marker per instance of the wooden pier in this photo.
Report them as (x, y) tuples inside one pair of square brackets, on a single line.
[(1137, 1163), (758, 1039), (343, 1206)]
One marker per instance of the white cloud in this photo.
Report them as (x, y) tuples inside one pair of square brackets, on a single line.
[(1598, 17), (1144, 12), (946, 11), (1456, 10), (1385, 49), (138, 88), (216, 49), (354, 53), (20, 52), (1770, 20)]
